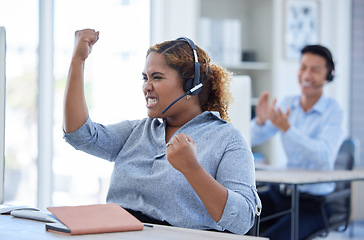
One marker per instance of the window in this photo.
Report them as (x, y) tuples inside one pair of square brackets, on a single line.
[(113, 80), (112, 83), (21, 104)]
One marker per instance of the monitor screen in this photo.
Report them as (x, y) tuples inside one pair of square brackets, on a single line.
[(2, 110)]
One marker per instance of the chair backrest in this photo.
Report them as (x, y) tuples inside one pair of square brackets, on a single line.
[(346, 156), (346, 159), (340, 199), (341, 206), (254, 231)]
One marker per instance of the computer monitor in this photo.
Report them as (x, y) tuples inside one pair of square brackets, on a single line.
[(2, 110), (240, 110)]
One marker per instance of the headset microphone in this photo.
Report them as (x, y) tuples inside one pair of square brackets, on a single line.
[(187, 93), (318, 86), (322, 84), (191, 86)]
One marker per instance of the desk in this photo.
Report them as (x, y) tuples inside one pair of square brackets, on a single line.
[(296, 177), (17, 228)]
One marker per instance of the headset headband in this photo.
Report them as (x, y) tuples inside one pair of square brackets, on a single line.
[(196, 80)]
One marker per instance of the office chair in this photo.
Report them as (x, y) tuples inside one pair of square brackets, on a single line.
[(254, 231), (340, 199)]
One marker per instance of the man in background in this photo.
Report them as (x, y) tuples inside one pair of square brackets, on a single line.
[(310, 126)]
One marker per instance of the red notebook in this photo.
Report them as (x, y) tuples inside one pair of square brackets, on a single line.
[(89, 219)]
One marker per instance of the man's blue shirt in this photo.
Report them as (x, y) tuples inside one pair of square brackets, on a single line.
[(313, 139)]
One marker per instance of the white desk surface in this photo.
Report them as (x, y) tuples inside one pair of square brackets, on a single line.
[(294, 176), (17, 228)]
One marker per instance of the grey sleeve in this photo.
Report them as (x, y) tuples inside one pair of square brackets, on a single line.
[(99, 140)]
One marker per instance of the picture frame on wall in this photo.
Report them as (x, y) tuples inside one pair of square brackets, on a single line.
[(302, 26)]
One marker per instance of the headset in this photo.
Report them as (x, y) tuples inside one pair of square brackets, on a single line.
[(193, 85), (192, 82), (331, 73), (331, 66)]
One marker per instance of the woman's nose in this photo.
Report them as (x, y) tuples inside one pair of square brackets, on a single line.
[(147, 86)]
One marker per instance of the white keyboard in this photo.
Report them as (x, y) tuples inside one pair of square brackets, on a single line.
[(6, 209)]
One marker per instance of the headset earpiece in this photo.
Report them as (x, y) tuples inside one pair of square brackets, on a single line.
[(191, 84), (188, 85), (330, 75)]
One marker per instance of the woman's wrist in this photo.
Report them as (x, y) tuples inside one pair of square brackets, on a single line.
[(77, 60)]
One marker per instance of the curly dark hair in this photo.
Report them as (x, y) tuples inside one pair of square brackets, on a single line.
[(215, 94)]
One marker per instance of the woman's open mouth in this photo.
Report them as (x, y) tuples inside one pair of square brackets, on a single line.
[(151, 101)]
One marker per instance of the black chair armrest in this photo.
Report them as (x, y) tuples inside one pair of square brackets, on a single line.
[(338, 194)]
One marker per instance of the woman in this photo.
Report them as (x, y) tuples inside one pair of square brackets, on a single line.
[(191, 169)]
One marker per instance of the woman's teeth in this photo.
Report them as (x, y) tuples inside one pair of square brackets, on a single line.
[(152, 101)]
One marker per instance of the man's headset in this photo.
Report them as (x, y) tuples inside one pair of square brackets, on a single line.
[(193, 85), (330, 62)]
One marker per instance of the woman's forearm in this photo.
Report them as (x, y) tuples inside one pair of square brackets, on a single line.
[(75, 108)]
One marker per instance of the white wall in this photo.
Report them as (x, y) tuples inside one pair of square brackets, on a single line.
[(171, 19), (339, 42)]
